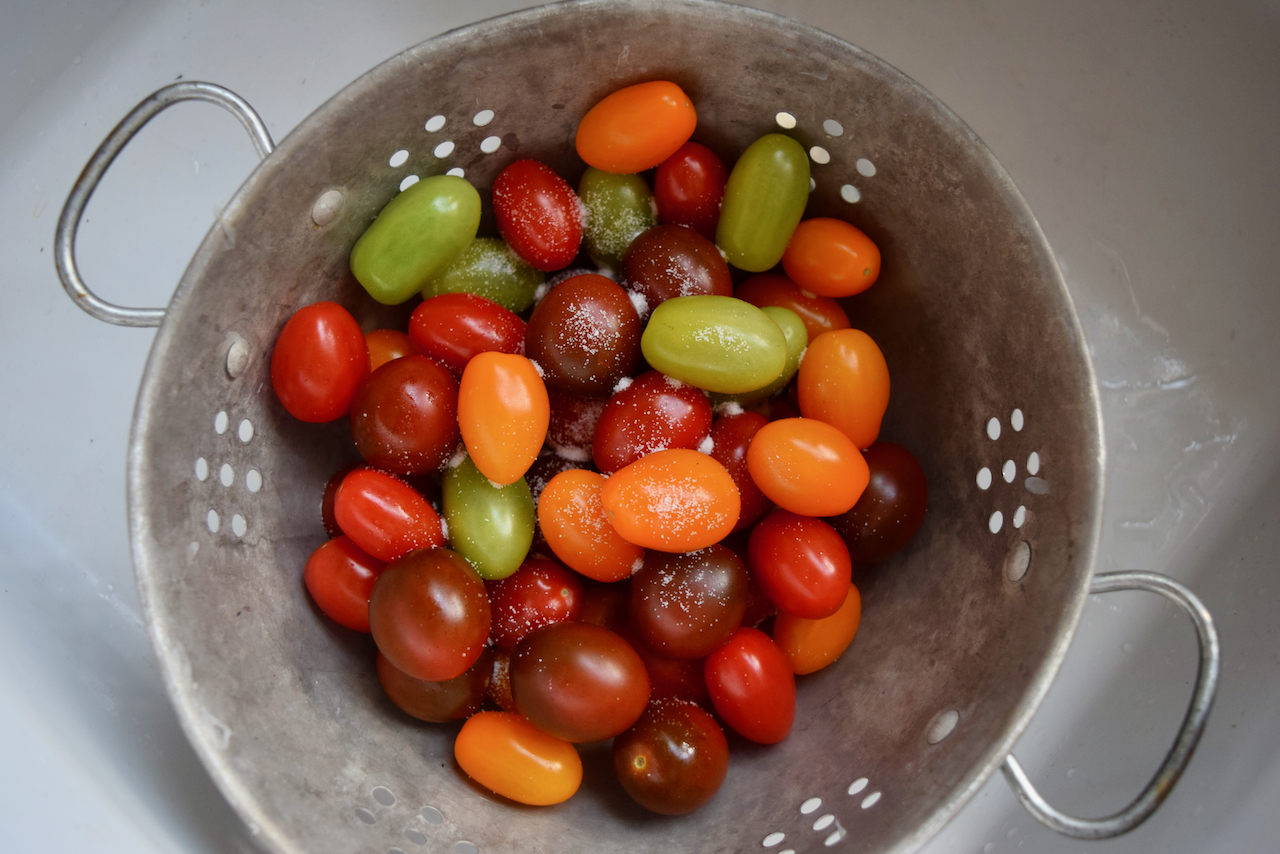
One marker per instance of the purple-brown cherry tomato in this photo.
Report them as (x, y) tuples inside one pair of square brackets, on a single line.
[(674, 261), (585, 335), (892, 507), (674, 759)]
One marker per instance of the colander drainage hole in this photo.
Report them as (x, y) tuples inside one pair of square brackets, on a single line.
[(239, 526), (435, 123), (773, 839), (1009, 471), (213, 521), (202, 469), (865, 167), (227, 474), (465, 847), (993, 429), (870, 800), (810, 805), (1016, 420), (253, 480), (399, 158), (786, 121), (490, 144), (858, 785), (824, 822), (833, 127), (443, 150), (432, 815), (820, 155), (1019, 559), (365, 816), (942, 725), (482, 118), (996, 522), (409, 181), (384, 796), (850, 194), (220, 422), (1033, 463), (984, 478), (456, 172), (417, 837)]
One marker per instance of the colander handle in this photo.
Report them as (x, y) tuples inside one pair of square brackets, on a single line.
[(64, 240), (1183, 746)]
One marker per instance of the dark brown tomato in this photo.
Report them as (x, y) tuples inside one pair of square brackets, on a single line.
[(429, 614), (578, 682), (500, 682), (404, 418), (685, 605), (891, 509), (573, 424), (674, 759), (675, 678), (539, 593), (585, 335), (730, 437), (437, 702), (653, 413), (605, 605), (674, 261)]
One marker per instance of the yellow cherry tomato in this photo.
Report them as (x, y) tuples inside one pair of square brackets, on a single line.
[(503, 413), (510, 756), (813, 644)]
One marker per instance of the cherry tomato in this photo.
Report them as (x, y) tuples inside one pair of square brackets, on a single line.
[(585, 335), (636, 128), (674, 759), (811, 645), (844, 381), (500, 681), (430, 614), (573, 424), (437, 702), (674, 261), (455, 327), (807, 466), (539, 593), (686, 605), (578, 530), (801, 563), (578, 682), (384, 515), (891, 509), (538, 214), (510, 756), (339, 576), (404, 417), (327, 517), (672, 501), (319, 359), (764, 199), (831, 258), (652, 413), (503, 413), (819, 314), (605, 605), (752, 686), (688, 188), (488, 268), (386, 345), (489, 524), (731, 435), (674, 678), (618, 209)]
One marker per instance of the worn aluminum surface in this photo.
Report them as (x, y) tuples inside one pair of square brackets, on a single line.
[(970, 311)]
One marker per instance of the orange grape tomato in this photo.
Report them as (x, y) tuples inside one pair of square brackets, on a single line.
[(672, 501), (575, 526), (503, 413), (813, 644), (807, 466), (831, 258), (386, 345), (510, 756), (844, 381), (636, 128), (818, 314)]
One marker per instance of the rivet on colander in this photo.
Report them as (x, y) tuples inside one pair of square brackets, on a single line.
[(396, 851), (850, 194), (326, 208), (785, 120), (237, 356), (399, 158), (942, 725), (409, 181), (435, 123), (865, 167)]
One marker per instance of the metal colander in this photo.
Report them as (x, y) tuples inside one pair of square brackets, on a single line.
[(992, 389)]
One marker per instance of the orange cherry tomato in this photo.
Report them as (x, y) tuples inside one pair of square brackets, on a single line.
[(807, 466), (831, 258), (672, 501), (844, 381), (503, 413), (510, 756), (577, 529), (813, 644), (386, 345), (636, 128), (818, 314)]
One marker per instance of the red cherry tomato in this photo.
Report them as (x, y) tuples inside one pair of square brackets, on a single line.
[(384, 515), (686, 605), (636, 128), (339, 576), (752, 686), (539, 593), (455, 327), (818, 314), (538, 214), (573, 424), (801, 563), (688, 188), (429, 614), (319, 359), (730, 438), (404, 417), (652, 413)]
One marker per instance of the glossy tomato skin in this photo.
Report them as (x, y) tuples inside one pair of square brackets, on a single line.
[(384, 515), (674, 759), (686, 605), (752, 686), (674, 261), (429, 613), (539, 593), (572, 426), (810, 645), (510, 756), (538, 214), (386, 345), (319, 359), (577, 529), (437, 702), (891, 509), (636, 128), (819, 314), (585, 335), (578, 681), (675, 500), (801, 563), (652, 413), (807, 466), (503, 414), (844, 381), (339, 576), (688, 188), (404, 417), (831, 258), (453, 328)]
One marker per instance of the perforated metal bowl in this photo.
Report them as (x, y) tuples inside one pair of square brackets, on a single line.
[(992, 388)]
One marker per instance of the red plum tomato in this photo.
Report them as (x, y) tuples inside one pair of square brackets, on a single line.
[(752, 686), (652, 413), (454, 327), (674, 261), (319, 359), (801, 563), (688, 188), (538, 214), (437, 702), (339, 576)]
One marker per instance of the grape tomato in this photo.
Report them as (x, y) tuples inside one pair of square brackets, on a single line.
[(384, 515), (801, 563), (339, 576), (674, 261), (319, 359), (618, 208), (404, 417), (437, 702), (652, 413), (503, 414), (511, 757), (844, 381), (688, 188), (752, 686), (538, 214), (454, 328), (731, 435), (490, 524), (764, 199), (636, 128), (807, 466), (489, 269), (539, 593), (672, 501), (577, 528), (831, 258), (891, 509), (819, 314), (386, 345), (810, 645), (686, 605), (716, 343), (584, 335)]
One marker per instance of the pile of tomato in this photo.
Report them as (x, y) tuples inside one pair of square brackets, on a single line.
[(620, 466)]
